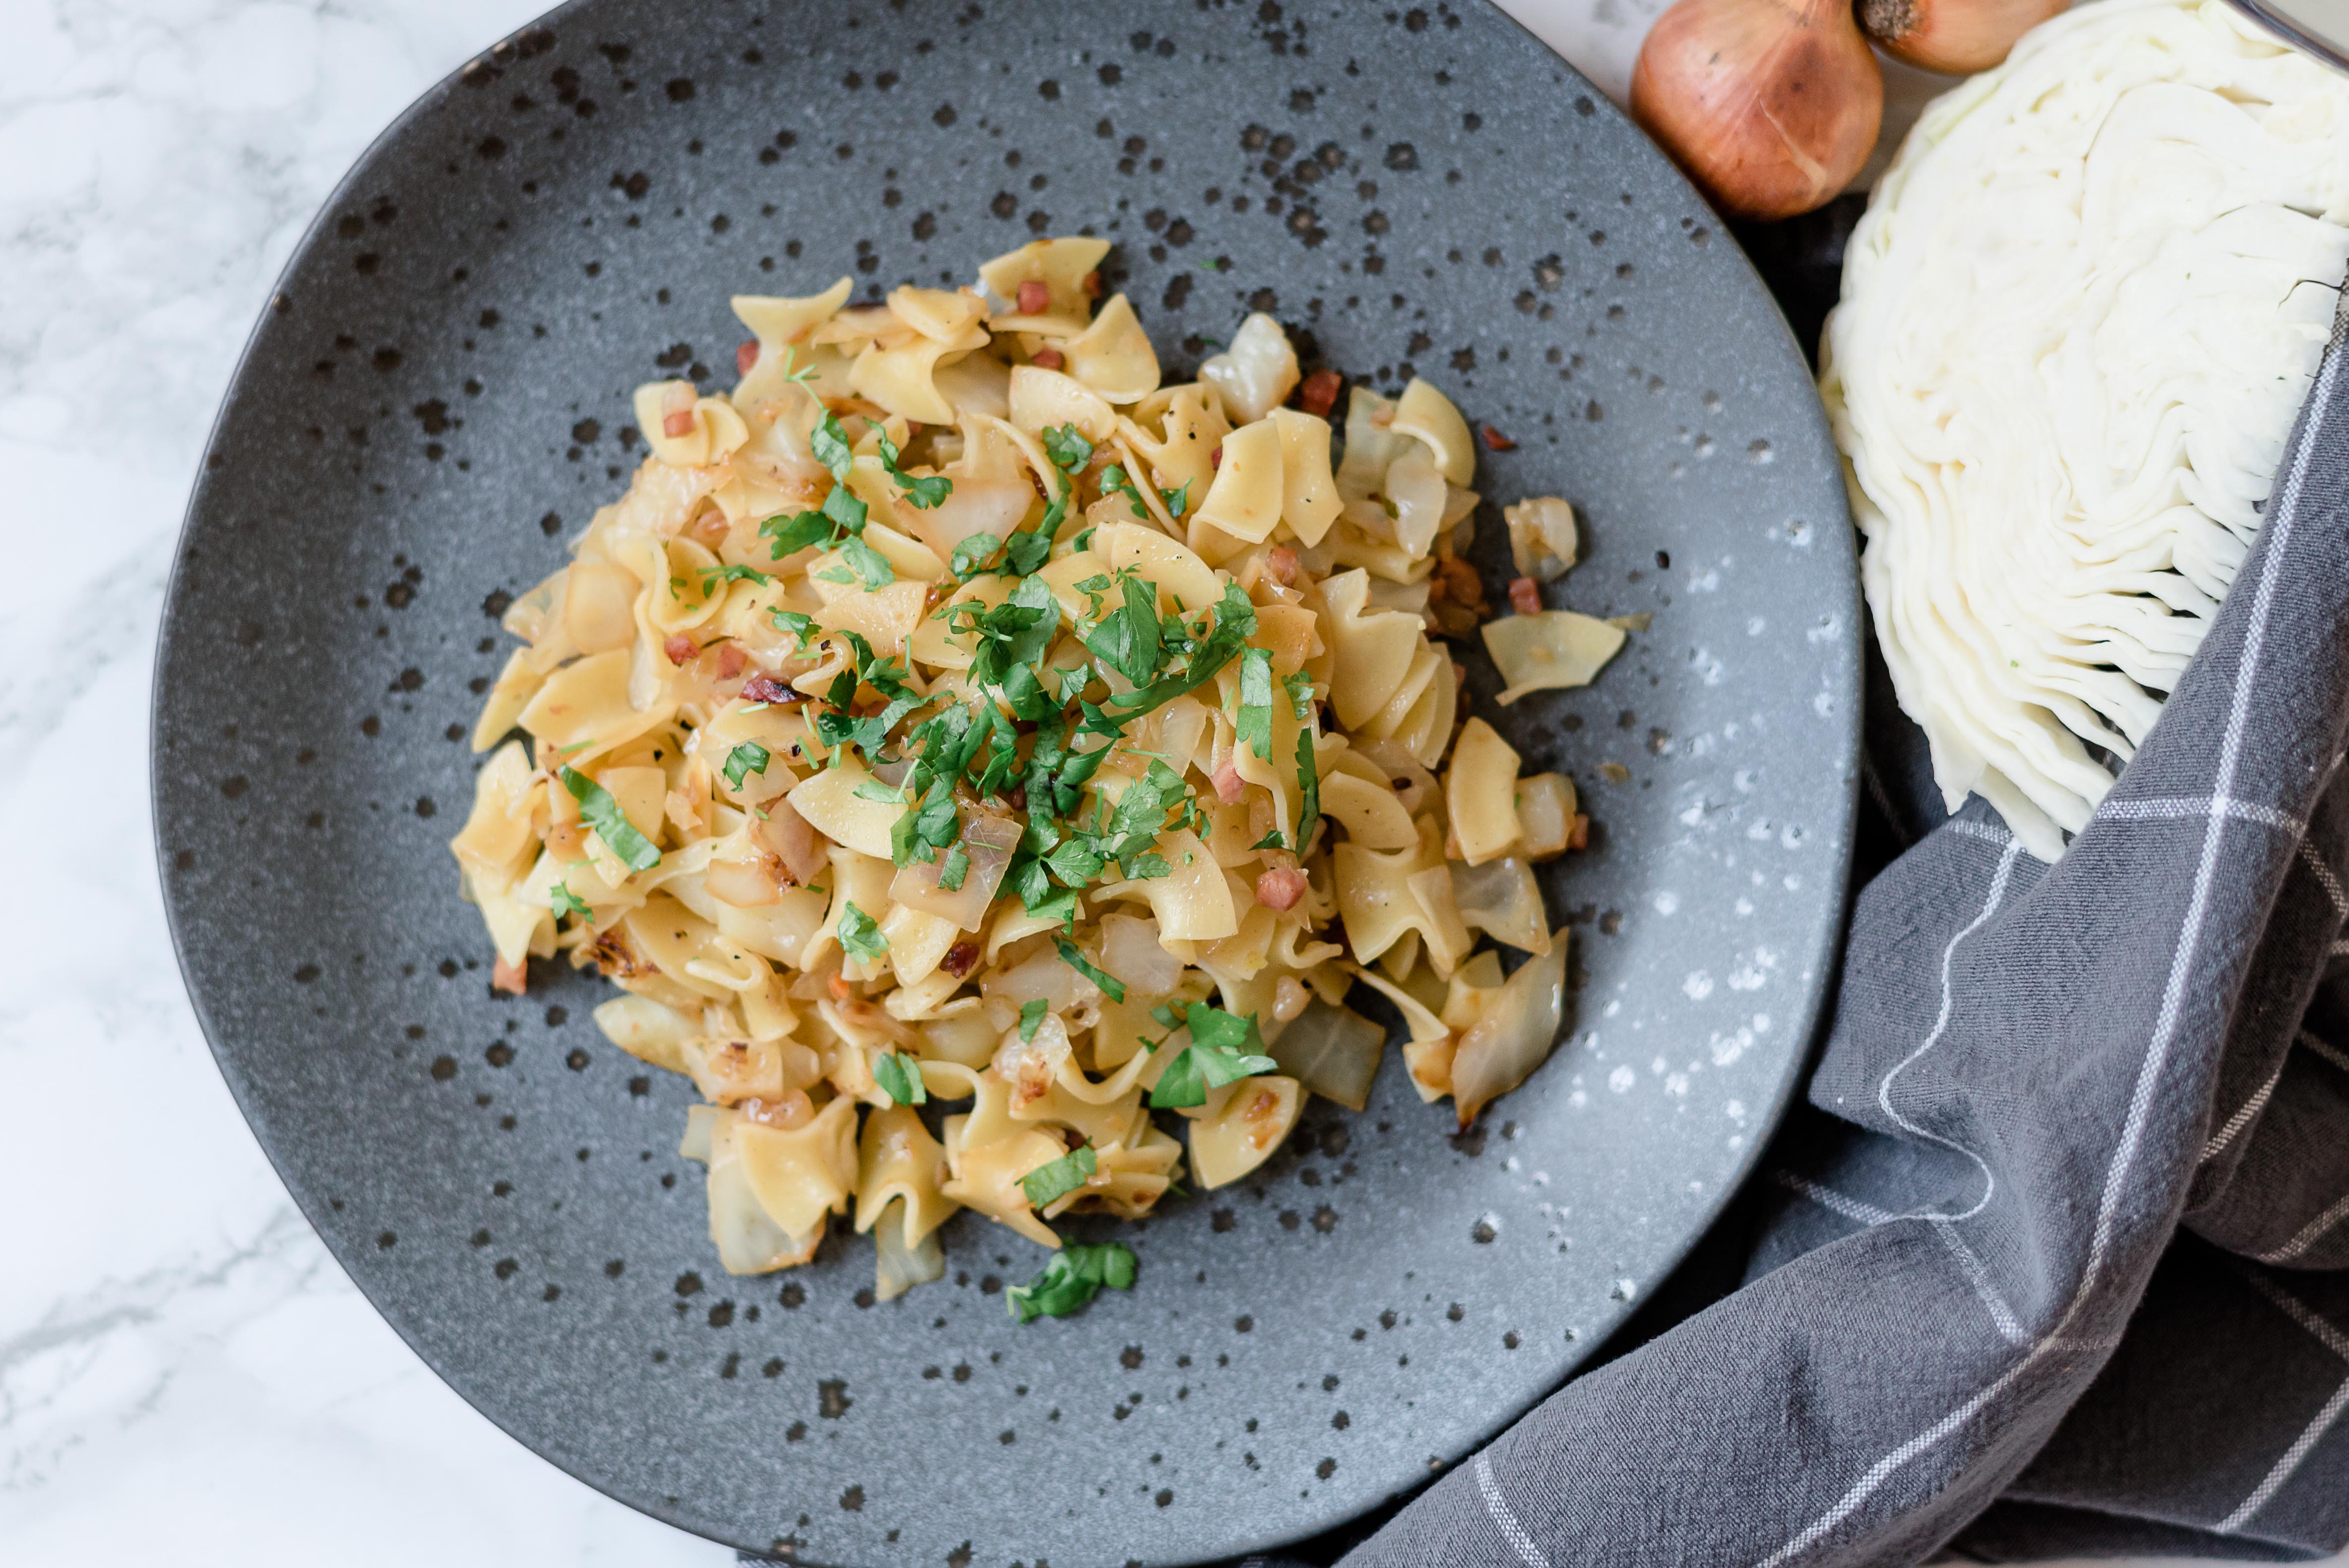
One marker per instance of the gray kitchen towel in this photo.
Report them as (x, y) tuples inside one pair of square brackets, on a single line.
[(2059, 1271)]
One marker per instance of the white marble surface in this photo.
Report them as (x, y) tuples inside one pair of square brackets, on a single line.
[(185, 1374)]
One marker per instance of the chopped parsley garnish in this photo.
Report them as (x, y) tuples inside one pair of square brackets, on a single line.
[(900, 1078), (1255, 702), (713, 575), (828, 443), (1032, 1014), (1234, 622), (1177, 500), (801, 376), (920, 493), (601, 812), (860, 938), (1070, 1278), (1223, 1048), (1113, 481), (745, 759), (1128, 639), (565, 901), (1060, 1176), (1300, 694), (952, 874), (1068, 448), (801, 627), (837, 524), (971, 557), (1073, 956)]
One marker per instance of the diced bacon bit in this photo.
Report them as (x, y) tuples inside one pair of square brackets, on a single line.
[(1016, 797), (1216, 458), (767, 688), (1091, 285), (1318, 393), (1497, 442), (1525, 596), (710, 527), (511, 977), (731, 660), (1035, 297), (1280, 888), (960, 959), (841, 991), (679, 649), (1280, 564), (1048, 359), (746, 355), (677, 424), (1578, 837), (1229, 785)]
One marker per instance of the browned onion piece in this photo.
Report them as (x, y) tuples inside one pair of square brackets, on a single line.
[(797, 845), (988, 842), (1513, 1035), (1332, 1051)]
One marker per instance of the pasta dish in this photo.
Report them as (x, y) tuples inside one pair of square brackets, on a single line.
[(985, 771)]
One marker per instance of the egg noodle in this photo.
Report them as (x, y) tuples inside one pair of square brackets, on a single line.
[(954, 717)]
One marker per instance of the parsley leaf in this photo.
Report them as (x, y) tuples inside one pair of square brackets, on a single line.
[(1255, 702), (900, 1078), (1067, 447), (1300, 694), (921, 493), (745, 759), (801, 627), (828, 443), (601, 812), (713, 575), (1010, 635), (1127, 640), (1073, 1277), (1234, 622), (1032, 1013), (1223, 1048), (860, 938), (795, 533), (952, 874), (867, 562), (1177, 501), (565, 901), (1113, 481), (971, 556), (1071, 955), (1060, 1176), (842, 507)]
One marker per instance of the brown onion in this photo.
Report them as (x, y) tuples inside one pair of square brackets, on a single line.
[(1956, 38), (1771, 105)]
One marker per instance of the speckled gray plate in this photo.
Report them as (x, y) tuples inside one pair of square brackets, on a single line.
[(438, 397)]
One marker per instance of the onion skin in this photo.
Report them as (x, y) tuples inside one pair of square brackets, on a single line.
[(1771, 105), (1956, 38)]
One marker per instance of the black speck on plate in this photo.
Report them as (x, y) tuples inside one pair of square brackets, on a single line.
[(439, 395)]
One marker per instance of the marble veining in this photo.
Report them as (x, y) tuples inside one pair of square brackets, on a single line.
[(182, 1368)]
